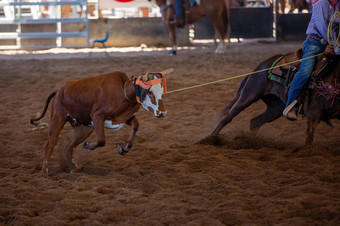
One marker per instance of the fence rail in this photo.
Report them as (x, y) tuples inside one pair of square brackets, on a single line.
[(14, 16)]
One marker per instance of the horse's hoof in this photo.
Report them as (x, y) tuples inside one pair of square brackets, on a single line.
[(218, 52), (172, 52)]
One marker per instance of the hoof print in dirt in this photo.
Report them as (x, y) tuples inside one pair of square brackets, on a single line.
[(309, 150)]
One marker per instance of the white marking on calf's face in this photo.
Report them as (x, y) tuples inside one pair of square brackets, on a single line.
[(156, 92)]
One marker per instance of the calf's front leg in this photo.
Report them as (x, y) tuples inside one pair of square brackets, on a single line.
[(125, 147), (98, 124)]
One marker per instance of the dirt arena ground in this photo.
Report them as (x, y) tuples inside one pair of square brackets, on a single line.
[(167, 178)]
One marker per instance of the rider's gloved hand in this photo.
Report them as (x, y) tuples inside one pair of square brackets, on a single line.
[(329, 50)]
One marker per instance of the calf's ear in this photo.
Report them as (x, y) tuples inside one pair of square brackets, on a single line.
[(133, 77)]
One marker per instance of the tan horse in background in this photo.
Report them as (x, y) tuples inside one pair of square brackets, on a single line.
[(216, 10)]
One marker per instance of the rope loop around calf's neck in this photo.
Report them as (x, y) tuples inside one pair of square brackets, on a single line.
[(127, 98)]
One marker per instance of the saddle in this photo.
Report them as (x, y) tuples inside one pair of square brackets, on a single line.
[(287, 66)]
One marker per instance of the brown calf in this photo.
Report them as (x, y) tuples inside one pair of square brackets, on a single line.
[(92, 104)]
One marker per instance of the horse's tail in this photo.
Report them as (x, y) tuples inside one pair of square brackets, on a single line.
[(226, 19), (49, 98)]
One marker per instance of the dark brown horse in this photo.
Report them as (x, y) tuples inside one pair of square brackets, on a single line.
[(258, 86), (216, 10)]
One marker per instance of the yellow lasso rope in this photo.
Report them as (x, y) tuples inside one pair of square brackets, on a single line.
[(331, 40), (239, 76)]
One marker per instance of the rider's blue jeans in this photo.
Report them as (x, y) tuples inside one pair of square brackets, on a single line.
[(179, 8), (310, 48)]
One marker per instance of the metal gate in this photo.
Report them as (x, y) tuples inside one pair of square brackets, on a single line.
[(245, 22), (18, 14)]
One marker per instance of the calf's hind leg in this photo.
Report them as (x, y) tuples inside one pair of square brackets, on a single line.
[(56, 125), (80, 133), (273, 112)]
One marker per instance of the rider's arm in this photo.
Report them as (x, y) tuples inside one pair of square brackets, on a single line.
[(321, 17)]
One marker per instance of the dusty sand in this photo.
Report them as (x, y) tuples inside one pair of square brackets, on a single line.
[(167, 178)]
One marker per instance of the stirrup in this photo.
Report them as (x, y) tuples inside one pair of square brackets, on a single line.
[(287, 109)]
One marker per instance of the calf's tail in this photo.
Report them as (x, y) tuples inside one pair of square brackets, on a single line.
[(49, 98)]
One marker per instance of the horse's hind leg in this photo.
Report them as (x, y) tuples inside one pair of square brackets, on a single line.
[(273, 112), (80, 133)]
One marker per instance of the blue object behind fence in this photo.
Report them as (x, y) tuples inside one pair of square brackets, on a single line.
[(102, 41)]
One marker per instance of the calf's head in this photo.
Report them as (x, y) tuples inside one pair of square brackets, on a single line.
[(154, 85)]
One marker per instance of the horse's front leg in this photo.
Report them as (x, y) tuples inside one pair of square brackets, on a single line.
[(311, 125), (314, 117), (125, 147), (173, 40)]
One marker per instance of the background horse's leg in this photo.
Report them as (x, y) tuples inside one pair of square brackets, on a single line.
[(173, 41), (274, 111), (221, 46), (221, 25)]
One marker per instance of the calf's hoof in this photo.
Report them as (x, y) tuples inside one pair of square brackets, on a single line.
[(74, 163), (44, 172), (124, 148), (69, 166), (90, 146), (44, 169)]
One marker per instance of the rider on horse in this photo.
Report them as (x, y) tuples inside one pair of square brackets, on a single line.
[(179, 21), (315, 43), (179, 11)]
